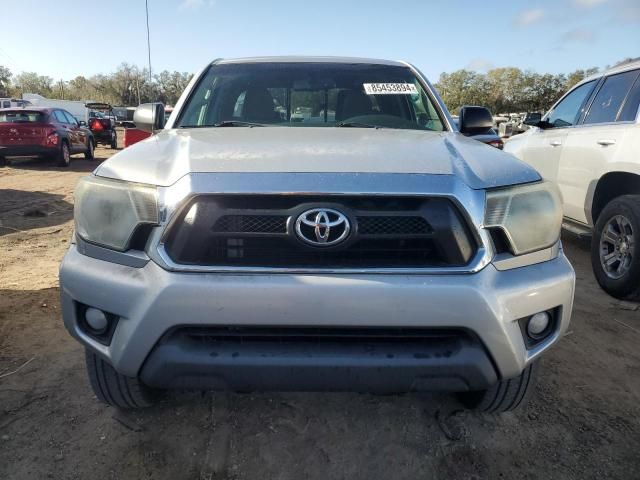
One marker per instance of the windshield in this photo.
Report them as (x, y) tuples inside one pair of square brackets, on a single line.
[(310, 94), (22, 116)]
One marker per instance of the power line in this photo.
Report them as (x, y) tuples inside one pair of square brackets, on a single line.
[(146, 8)]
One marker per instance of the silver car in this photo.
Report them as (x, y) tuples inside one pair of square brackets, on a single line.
[(364, 246)]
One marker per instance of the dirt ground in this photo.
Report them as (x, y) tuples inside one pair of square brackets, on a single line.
[(583, 422)]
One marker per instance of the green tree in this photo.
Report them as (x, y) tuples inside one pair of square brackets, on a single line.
[(31, 82), (170, 85), (579, 75), (462, 87), (5, 81)]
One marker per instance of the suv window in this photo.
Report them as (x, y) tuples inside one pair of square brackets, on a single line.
[(631, 104), (609, 98), (570, 108), (60, 116), (22, 116), (311, 94), (70, 118)]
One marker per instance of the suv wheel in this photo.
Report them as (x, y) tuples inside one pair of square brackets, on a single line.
[(115, 389), (615, 247), (503, 396), (88, 155), (64, 155), (114, 140)]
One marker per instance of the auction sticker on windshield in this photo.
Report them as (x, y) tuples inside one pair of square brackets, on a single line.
[(390, 88)]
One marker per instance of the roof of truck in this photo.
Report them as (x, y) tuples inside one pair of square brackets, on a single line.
[(310, 59)]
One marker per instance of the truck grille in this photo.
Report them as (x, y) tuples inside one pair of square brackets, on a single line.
[(251, 224), (260, 231)]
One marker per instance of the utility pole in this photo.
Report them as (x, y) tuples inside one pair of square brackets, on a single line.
[(146, 7)]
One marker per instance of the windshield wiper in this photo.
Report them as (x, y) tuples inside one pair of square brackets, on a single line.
[(357, 125), (237, 123), (226, 123)]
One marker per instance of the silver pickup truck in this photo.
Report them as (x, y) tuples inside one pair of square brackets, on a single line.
[(366, 245)]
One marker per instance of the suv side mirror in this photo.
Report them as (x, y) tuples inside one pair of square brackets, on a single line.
[(473, 120), (149, 117), (533, 119)]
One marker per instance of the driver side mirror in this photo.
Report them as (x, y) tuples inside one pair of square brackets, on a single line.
[(82, 123), (149, 117), (533, 119), (473, 120)]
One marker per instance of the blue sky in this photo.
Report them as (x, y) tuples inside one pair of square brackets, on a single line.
[(545, 36)]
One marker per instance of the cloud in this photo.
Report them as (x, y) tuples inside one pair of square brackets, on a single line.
[(195, 4), (588, 3), (579, 35), (629, 11), (479, 64), (529, 17)]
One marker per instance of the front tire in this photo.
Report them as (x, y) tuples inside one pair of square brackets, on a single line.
[(115, 389), (114, 141), (63, 157), (505, 395), (3, 162), (615, 247)]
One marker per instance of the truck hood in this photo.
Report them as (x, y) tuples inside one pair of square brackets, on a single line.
[(166, 157)]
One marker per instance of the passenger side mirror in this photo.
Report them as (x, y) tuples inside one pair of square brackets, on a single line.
[(149, 117), (473, 120), (82, 123), (533, 119)]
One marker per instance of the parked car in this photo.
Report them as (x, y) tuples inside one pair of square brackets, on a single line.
[(378, 251), (45, 132), (588, 145), (13, 103), (102, 123), (485, 133)]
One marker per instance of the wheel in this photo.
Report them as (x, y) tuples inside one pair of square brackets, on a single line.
[(3, 162), (88, 155), (615, 249), (114, 141), (114, 389), (505, 395), (63, 157)]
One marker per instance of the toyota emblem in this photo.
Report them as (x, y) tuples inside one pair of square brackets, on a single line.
[(322, 227)]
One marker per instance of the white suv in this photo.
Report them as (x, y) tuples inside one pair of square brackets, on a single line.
[(589, 144)]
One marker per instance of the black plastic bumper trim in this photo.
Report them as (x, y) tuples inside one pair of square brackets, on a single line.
[(326, 363)]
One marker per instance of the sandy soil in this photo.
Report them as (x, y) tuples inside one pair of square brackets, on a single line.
[(583, 422)]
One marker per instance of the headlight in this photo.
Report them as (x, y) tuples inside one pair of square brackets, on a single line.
[(529, 215), (107, 212)]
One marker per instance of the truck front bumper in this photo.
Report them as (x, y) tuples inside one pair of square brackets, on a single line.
[(316, 332)]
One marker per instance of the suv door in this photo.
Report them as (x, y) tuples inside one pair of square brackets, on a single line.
[(544, 146), (79, 133), (61, 118), (595, 143)]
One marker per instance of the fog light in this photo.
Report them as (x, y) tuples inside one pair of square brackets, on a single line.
[(537, 324), (96, 319)]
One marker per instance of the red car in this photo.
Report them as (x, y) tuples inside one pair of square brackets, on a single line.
[(46, 132)]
